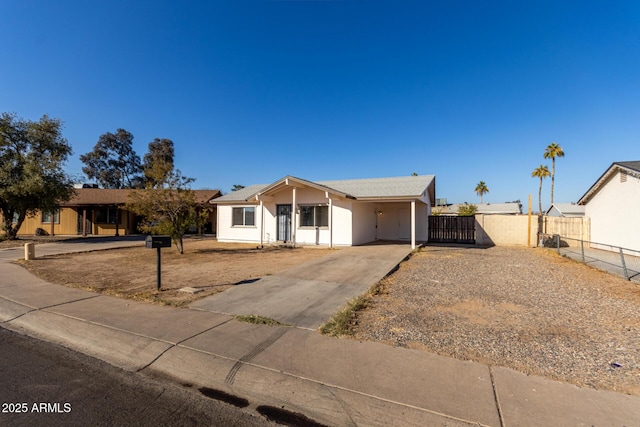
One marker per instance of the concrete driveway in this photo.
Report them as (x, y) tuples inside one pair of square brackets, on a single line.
[(309, 294)]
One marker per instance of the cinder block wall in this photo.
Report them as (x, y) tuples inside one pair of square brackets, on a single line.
[(505, 230)]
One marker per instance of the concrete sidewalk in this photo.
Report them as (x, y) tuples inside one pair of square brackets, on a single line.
[(608, 261), (332, 381)]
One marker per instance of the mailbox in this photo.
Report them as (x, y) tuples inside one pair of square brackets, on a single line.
[(153, 242)]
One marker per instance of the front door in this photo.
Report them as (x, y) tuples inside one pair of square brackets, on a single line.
[(85, 227), (283, 213), (403, 215)]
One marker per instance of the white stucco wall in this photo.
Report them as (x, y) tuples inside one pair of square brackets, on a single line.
[(353, 222), (363, 222), (615, 213), (228, 233), (394, 221)]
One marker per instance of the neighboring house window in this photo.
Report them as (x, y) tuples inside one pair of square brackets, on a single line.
[(314, 216), (46, 217), (106, 216), (244, 216)]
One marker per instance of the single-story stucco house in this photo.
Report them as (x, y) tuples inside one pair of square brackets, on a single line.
[(331, 213), (509, 208), (566, 210), (613, 205), (100, 212)]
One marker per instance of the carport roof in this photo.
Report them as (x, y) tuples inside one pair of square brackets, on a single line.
[(359, 189)]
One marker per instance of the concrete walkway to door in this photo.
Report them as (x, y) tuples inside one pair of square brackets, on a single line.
[(309, 294)]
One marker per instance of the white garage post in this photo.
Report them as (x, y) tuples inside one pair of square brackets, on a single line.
[(293, 218), (261, 223), (330, 222), (413, 224)]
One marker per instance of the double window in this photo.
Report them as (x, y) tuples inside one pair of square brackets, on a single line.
[(314, 216), (245, 216), (48, 216), (106, 216)]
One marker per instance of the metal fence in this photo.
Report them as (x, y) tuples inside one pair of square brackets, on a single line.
[(614, 259)]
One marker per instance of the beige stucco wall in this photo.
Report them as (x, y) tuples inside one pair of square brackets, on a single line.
[(505, 230)]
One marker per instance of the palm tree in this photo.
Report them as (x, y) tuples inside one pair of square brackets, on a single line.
[(481, 189), (541, 172), (551, 152)]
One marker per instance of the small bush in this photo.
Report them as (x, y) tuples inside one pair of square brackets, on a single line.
[(259, 320), (344, 321)]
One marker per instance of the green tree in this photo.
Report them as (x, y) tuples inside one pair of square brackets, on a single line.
[(158, 162), (467, 210), (541, 172), (481, 189), (113, 162), (169, 209), (552, 151), (31, 175)]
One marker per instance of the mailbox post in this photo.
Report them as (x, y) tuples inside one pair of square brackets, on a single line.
[(158, 242)]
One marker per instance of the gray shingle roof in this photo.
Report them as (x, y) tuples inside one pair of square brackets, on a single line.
[(241, 195), (568, 208), (630, 165), (509, 208), (403, 186)]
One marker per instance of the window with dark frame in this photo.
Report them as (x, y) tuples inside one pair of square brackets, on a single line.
[(106, 216), (244, 216), (314, 216), (46, 217)]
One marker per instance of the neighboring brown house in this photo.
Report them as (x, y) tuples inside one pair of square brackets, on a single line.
[(98, 211)]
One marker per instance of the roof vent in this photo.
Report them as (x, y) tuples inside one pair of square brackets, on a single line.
[(623, 176)]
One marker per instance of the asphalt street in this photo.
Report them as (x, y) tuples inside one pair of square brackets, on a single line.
[(46, 384)]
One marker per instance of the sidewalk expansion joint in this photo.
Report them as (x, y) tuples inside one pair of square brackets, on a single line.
[(69, 302), (495, 397), (253, 353), (179, 343), (32, 309)]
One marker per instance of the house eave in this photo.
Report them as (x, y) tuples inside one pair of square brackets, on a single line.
[(604, 178)]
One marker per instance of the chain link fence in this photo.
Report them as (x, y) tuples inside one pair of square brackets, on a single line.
[(614, 259)]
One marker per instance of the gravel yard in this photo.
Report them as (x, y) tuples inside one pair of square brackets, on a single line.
[(526, 309)]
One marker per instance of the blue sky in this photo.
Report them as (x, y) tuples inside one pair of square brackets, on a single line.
[(251, 91)]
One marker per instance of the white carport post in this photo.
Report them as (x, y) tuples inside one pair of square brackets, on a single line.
[(293, 217), (330, 219), (413, 224), (261, 223)]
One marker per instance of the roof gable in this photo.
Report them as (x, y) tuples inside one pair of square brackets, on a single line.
[(631, 167)]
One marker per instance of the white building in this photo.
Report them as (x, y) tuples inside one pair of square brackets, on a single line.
[(613, 205), (342, 213)]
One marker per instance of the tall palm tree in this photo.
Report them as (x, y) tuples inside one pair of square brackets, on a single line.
[(481, 189), (541, 172), (551, 152)]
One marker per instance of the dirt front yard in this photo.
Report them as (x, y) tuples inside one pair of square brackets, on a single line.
[(526, 309), (206, 265)]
